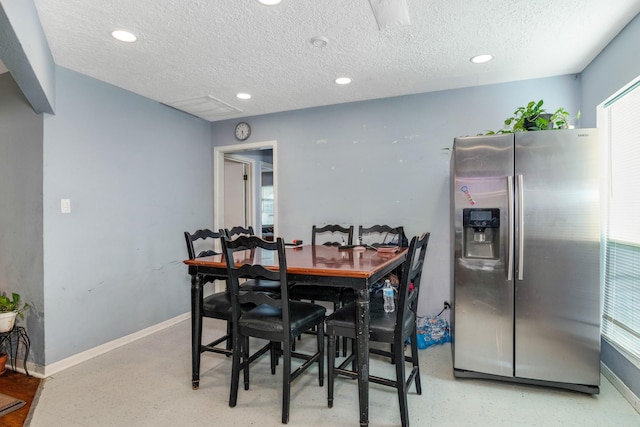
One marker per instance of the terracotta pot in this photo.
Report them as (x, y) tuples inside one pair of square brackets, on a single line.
[(3, 362)]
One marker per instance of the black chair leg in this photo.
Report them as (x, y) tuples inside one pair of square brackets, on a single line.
[(196, 358), (273, 353), (235, 372), (335, 307), (320, 341), (245, 362), (415, 362), (229, 335), (401, 385), (331, 362), (286, 382)]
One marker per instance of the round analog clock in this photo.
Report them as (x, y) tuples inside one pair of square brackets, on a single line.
[(243, 130)]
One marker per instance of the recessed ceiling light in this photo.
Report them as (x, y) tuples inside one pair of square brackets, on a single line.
[(243, 95), (319, 41), (343, 80), (124, 36), (479, 59), (269, 2)]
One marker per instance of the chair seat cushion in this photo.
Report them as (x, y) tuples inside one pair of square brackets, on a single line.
[(217, 305), (315, 293), (268, 319), (381, 324)]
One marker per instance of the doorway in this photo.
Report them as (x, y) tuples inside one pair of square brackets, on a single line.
[(254, 157), (238, 194)]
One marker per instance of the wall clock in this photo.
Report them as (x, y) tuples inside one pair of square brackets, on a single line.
[(243, 130)]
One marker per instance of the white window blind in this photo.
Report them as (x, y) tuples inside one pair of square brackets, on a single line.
[(621, 308)]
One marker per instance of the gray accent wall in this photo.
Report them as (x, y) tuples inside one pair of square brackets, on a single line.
[(387, 161), (613, 68), (138, 175), (21, 244)]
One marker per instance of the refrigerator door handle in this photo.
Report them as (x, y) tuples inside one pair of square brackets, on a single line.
[(519, 180), (510, 230)]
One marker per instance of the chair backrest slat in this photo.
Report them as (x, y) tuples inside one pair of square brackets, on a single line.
[(253, 270), (378, 235), (334, 231), (238, 230), (207, 238)]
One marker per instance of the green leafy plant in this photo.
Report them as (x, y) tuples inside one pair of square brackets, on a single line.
[(533, 117), (12, 304), (561, 119)]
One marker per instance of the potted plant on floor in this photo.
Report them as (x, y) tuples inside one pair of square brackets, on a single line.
[(3, 362), (10, 308)]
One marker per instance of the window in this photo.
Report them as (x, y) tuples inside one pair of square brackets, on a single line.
[(267, 205), (619, 120)]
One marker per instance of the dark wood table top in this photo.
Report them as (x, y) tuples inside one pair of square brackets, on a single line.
[(318, 260)]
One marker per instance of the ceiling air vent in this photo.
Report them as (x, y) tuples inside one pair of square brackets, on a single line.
[(206, 107)]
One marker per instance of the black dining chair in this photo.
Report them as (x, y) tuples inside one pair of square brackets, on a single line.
[(278, 320), (380, 235), (391, 328), (218, 304), (328, 235)]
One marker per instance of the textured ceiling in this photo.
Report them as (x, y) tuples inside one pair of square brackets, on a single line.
[(212, 49)]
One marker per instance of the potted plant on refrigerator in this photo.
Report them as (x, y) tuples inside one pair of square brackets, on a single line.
[(10, 308), (533, 117)]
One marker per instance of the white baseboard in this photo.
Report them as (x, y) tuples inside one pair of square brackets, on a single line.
[(34, 370), (48, 370), (620, 386)]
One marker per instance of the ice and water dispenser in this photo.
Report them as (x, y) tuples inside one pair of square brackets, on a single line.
[(481, 233)]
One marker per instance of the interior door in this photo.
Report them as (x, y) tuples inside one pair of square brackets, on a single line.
[(235, 194)]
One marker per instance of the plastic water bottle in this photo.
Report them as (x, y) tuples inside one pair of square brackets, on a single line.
[(387, 295)]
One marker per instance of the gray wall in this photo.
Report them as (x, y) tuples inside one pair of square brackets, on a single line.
[(617, 65), (138, 174), (384, 161), (134, 171), (614, 67), (21, 246)]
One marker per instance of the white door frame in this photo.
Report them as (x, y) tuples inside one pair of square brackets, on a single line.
[(218, 179)]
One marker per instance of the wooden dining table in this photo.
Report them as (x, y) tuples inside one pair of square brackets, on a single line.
[(355, 268)]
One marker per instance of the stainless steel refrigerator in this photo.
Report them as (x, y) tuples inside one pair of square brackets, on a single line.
[(526, 232)]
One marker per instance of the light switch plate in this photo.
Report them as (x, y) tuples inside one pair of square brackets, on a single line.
[(65, 205)]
